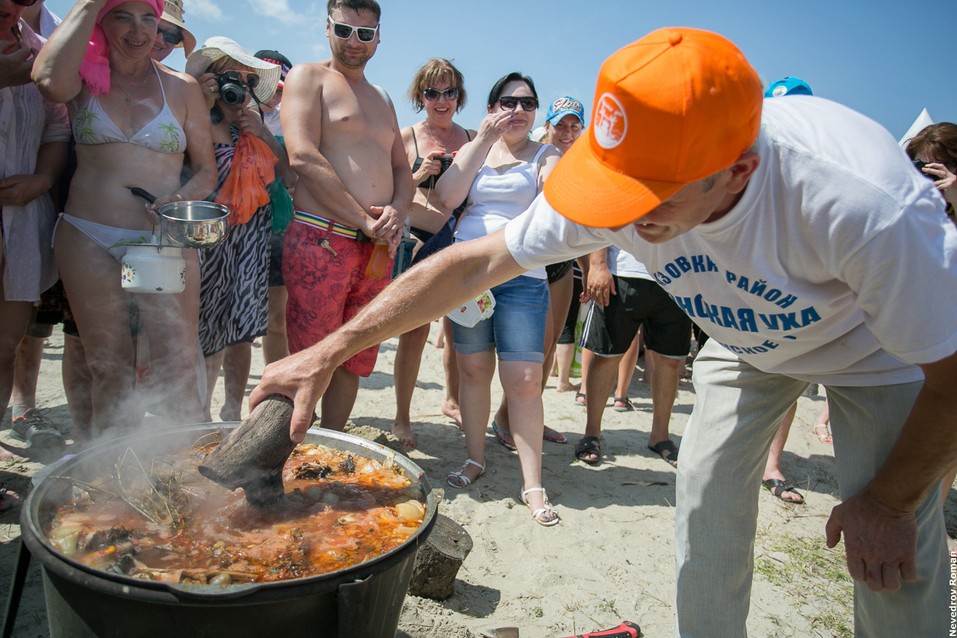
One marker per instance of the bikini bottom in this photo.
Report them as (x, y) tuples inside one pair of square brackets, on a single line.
[(111, 239)]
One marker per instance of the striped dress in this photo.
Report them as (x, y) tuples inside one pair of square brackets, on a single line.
[(234, 274)]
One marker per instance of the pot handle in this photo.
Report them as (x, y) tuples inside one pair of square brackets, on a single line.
[(145, 194), (211, 592)]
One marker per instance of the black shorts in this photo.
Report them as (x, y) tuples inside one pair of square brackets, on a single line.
[(609, 331), (557, 271), (275, 260), (568, 331)]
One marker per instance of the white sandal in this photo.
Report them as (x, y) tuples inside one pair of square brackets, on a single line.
[(547, 511), (459, 480)]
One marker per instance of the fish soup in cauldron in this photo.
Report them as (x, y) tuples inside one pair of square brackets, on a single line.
[(160, 520)]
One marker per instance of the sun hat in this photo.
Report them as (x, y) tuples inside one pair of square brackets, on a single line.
[(563, 106), (674, 107), (173, 13), (788, 86), (219, 47), (276, 58), (95, 66)]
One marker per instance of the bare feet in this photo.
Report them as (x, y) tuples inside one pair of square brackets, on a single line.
[(566, 386), (8, 499), (227, 413), (403, 432), (7, 455), (822, 432), (451, 410)]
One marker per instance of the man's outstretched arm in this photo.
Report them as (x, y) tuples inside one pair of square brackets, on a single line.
[(433, 288)]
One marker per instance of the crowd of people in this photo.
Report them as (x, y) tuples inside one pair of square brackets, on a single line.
[(327, 194)]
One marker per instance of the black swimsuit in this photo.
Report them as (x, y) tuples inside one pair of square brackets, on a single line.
[(428, 184)]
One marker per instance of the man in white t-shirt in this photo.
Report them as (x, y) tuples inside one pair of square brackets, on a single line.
[(797, 234)]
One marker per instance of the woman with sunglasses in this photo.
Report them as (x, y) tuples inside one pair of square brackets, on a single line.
[(135, 123), (437, 88), (500, 172), (235, 274), (33, 148), (172, 32)]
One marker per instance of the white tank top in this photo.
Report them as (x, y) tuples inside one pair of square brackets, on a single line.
[(496, 198)]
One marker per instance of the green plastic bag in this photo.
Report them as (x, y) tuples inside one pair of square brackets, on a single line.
[(282, 210), (281, 207)]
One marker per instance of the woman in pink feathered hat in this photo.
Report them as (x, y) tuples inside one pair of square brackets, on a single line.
[(136, 123)]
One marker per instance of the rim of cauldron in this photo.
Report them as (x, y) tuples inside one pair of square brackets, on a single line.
[(39, 545)]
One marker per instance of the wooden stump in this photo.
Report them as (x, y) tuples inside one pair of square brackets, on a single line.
[(438, 560), (253, 455)]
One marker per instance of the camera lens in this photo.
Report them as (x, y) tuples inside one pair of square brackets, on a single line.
[(231, 89)]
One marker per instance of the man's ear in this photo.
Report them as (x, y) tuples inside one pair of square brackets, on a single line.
[(742, 170)]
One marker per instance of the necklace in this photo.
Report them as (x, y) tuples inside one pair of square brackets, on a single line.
[(448, 138), (136, 85)]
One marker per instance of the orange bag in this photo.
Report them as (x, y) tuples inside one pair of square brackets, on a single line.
[(252, 170)]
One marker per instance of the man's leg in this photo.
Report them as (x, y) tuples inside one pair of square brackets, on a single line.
[(665, 374), (865, 423), (339, 399), (601, 377), (723, 452)]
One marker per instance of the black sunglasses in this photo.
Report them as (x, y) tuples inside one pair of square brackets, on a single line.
[(344, 31), (434, 94), (25, 3), (509, 102), (172, 36)]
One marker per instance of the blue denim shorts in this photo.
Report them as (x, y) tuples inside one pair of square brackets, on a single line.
[(517, 327)]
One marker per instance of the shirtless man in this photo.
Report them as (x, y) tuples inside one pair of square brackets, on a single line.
[(354, 191)]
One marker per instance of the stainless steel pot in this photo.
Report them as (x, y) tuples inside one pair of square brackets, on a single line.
[(190, 224)]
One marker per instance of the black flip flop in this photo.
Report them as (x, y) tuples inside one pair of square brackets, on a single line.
[(661, 447), (586, 446), (777, 487)]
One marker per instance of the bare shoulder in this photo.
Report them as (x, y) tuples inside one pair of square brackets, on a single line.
[(172, 76)]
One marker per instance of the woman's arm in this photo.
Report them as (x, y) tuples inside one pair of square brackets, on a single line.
[(453, 188), (56, 70), (20, 190), (199, 147)]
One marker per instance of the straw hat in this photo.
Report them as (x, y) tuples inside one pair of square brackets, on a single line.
[(173, 13), (219, 47)]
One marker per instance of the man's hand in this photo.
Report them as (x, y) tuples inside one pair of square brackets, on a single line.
[(20, 190), (881, 543), (303, 377), (387, 227), (600, 285)]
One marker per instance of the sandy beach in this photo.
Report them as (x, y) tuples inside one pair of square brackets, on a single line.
[(611, 557)]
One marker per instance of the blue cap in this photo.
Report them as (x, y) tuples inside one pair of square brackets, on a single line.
[(788, 86), (563, 106)]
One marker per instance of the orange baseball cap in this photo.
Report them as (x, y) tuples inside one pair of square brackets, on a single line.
[(674, 107)]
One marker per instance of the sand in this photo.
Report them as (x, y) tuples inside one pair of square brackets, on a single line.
[(611, 557)]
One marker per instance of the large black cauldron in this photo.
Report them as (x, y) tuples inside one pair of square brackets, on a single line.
[(361, 601)]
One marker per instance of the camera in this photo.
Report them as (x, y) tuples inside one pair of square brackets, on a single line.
[(232, 89), (446, 160)]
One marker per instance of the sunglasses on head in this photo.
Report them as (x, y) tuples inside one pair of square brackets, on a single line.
[(344, 31), (171, 37), (25, 3), (432, 95), (509, 102)]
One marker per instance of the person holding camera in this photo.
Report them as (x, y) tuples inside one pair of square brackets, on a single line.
[(234, 286), (934, 153), (437, 88), (136, 123), (500, 172)]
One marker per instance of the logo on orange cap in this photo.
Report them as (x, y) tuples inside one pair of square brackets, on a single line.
[(610, 121), (672, 108)]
